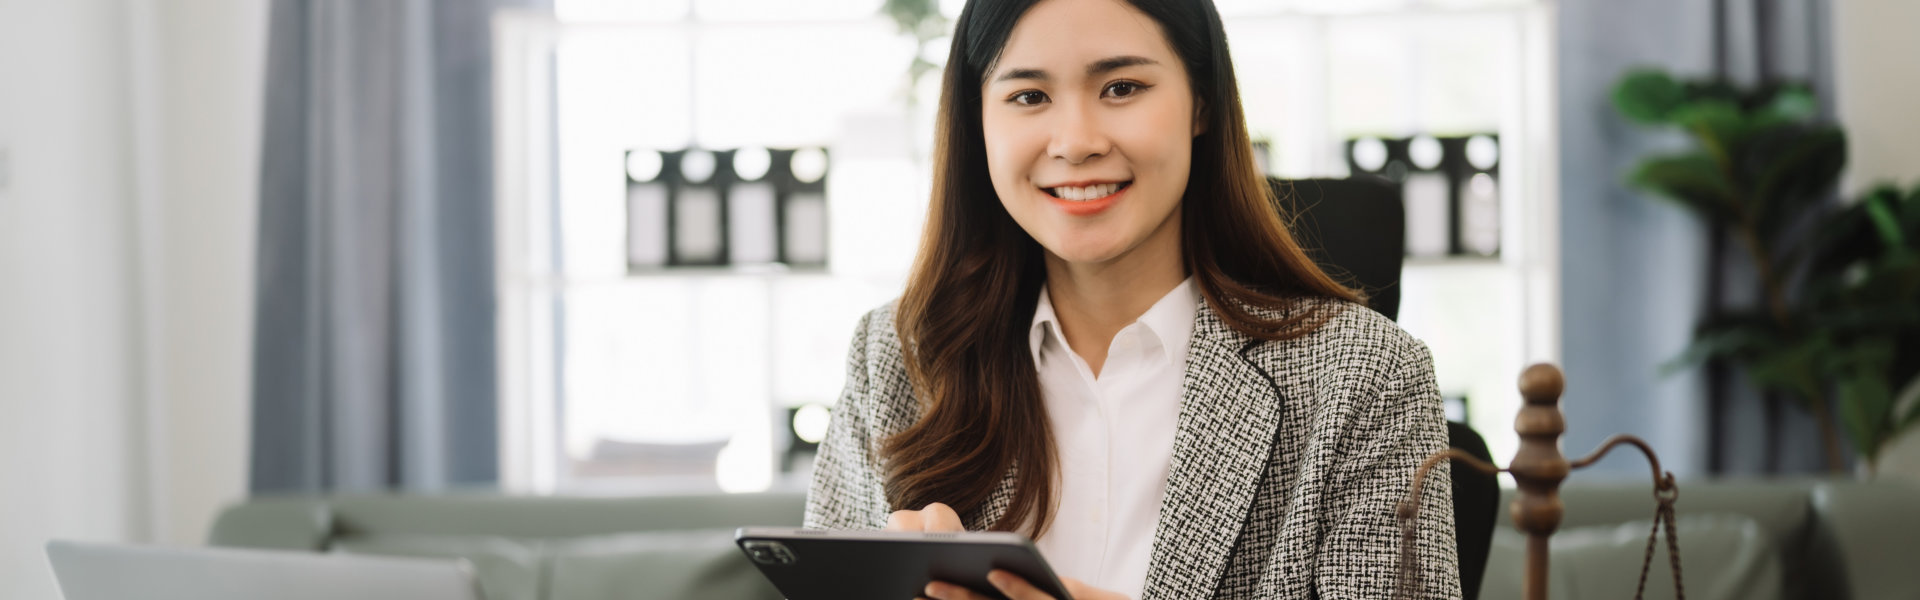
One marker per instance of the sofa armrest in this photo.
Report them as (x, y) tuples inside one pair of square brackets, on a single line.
[(274, 524), (1874, 527)]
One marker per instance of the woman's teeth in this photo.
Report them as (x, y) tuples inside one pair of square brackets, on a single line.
[(1082, 194)]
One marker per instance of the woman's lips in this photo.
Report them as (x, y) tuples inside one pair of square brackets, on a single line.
[(1088, 208)]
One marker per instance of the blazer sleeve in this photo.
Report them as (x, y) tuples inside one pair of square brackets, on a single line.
[(846, 492), (1361, 553)]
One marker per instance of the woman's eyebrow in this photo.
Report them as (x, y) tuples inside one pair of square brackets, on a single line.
[(1107, 65), (1012, 74), (1098, 68)]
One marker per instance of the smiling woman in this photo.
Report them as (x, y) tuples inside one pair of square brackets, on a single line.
[(1110, 342)]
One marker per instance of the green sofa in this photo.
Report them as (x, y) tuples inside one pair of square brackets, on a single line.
[(1787, 540), (1757, 540), (536, 548)]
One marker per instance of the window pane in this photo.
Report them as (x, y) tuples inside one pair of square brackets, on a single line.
[(617, 88), (792, 86), (1280, 64), (661, 373), (1247, 8), (1441, 74), (786, 10), (620, 10)]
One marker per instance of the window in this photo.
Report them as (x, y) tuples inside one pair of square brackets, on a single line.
[(687, 379)]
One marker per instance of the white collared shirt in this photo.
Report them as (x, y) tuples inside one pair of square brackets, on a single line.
[(1114, 436)]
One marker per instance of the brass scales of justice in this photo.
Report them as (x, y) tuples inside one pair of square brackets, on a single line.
[(1538, 468)]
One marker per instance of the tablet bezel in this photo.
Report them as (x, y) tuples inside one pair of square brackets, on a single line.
[(928, 555)]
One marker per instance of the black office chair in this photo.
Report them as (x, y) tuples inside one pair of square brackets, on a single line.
[(1355, 229), (1476, 504)]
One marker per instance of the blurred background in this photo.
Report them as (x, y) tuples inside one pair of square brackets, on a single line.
[(617, 248)]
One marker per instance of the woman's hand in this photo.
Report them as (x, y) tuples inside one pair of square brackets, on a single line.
[(1012, 586), (940, 518)]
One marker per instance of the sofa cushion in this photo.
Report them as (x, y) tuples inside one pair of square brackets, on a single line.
[(667, 565), (1780, 507), (1724, 557), (507, 569)]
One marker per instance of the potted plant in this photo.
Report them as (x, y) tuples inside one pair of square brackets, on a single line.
[(1838, 328)]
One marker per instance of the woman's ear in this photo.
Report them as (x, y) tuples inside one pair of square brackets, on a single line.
[(1199, 117)]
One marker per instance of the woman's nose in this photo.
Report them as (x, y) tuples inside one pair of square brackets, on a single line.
[(1077, 136)]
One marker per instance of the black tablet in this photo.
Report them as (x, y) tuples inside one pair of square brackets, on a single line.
[(811, 564)]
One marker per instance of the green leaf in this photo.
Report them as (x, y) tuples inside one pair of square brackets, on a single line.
[(1736, 335), (1802, 166), (1910, 210), (1885, 222), (1711, 89), (1648, 96), (1864, 403), (1791, 103), (1841, 238), (1791, 368), (1711, 345), (1694, 180), (1720, 125)]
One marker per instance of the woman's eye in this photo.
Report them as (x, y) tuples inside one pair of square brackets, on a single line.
[(1028, 98), (1124, 89)]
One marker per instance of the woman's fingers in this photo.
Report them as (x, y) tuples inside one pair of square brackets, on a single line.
[(1010, 585), (1016, 588), (946, 591), (938, 517), (904, 520), (1077, 588)]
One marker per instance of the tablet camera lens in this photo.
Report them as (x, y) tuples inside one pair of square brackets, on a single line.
[(769, 553)]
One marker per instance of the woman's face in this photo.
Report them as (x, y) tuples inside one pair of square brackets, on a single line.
[(1089, 124)]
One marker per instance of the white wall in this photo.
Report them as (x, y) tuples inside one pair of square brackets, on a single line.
[(125, 273), (214, 52), (1878, 92), (67, 438), (1878, 89)]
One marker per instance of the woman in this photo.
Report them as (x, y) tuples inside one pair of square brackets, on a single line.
[(1110, 342)]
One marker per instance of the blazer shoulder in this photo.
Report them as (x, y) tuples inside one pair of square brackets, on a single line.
[(876, 330), (876, 357), (1349, 335), (1354, 321)]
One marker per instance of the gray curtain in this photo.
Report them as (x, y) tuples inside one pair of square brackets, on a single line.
[(374, 339), (1635, 270)]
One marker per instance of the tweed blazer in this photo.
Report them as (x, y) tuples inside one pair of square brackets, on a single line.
[(1289, 458)]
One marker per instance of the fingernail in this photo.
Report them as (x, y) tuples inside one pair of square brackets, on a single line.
[(998, 579), (932, 591)]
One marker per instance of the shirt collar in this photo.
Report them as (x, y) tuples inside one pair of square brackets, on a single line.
[(1169, 320)]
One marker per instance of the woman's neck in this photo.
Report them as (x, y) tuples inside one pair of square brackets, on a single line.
[(1094, 301)]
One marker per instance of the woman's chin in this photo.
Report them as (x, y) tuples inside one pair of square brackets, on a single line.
[(1088, 253)]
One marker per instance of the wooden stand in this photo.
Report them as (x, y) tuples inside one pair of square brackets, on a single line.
[(1538, 469)]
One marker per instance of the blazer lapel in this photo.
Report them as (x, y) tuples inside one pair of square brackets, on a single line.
[(1229, 412)]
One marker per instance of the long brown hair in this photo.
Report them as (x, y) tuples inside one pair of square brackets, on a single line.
[(963, 320)]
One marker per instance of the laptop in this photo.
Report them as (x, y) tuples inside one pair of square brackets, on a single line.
[(123, 572)]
